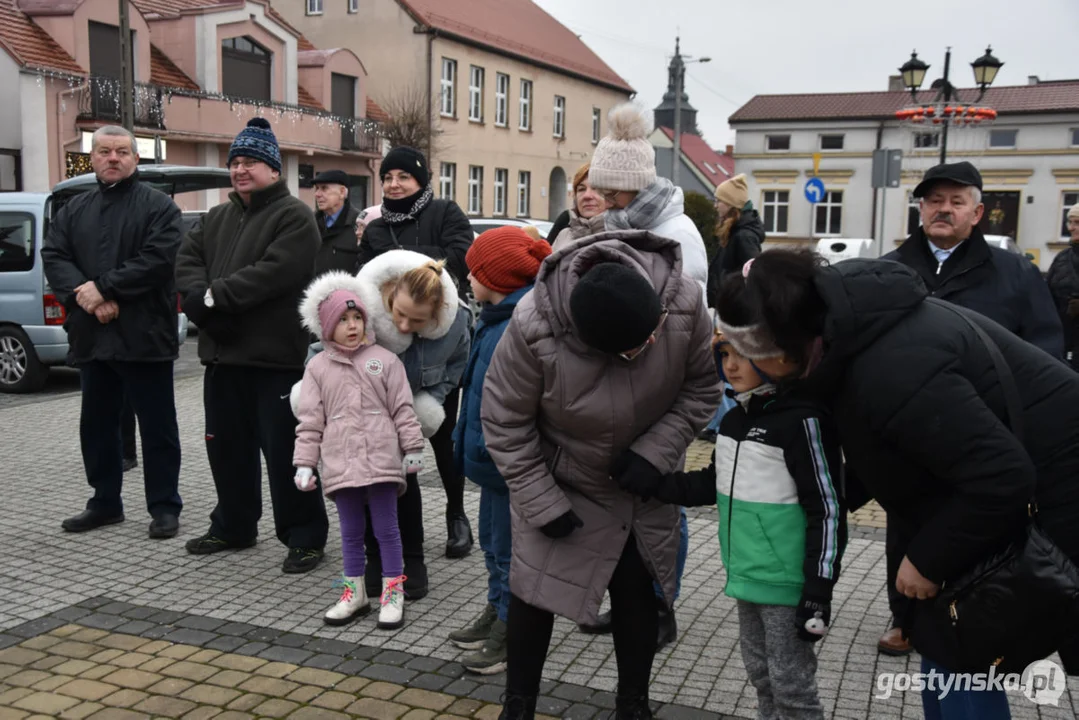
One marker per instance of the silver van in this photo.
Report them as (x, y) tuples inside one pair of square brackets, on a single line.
[(32, 336)]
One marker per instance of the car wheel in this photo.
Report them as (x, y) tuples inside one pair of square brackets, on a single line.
[(20, 369)]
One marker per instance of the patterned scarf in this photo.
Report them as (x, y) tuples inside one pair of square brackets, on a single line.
[(396, 218), (645, 209)]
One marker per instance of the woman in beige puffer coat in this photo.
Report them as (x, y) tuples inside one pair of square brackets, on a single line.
[(605, 371)]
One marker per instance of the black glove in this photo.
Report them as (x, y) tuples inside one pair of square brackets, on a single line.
[(1073, 307), (636, 475), (562, 525), (815, 608), (195, 307)]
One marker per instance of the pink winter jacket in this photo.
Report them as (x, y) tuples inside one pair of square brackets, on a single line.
[(356, 414)]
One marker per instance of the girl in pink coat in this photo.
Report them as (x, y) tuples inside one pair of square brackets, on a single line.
[(356, 416)]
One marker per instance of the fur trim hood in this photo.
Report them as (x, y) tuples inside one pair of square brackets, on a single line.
[(323, 286), (388, 267)]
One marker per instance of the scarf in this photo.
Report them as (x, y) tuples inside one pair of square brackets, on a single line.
[(743, 398), (642, 213), (396, 212)]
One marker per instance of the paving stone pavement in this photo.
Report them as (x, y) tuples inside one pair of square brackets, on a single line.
[(117, 580)]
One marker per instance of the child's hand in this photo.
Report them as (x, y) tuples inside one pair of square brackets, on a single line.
[(812, 617), (305, 479), (413, 463)]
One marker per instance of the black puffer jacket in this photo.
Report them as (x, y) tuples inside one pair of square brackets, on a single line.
[(1003, 286), (744, 244), (1063, 281), (441, 231), (339, 249), (125, 239), (923, 423)]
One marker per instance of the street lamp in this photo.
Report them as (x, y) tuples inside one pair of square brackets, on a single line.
[(985, 72), (680, 62)]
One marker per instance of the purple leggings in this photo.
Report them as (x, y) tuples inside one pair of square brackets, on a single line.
[(382, 499)]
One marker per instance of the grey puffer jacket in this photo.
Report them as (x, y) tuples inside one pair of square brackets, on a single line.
[(556, 413)]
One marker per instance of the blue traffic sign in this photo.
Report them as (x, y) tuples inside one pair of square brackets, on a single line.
[(814, 190)]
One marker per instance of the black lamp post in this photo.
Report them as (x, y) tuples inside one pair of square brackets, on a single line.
[(985, 72)]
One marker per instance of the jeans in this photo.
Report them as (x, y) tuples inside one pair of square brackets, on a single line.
[(495, 540), (962, 704), (683, 551)]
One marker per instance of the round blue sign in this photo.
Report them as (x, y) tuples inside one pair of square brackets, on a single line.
[(814, 190)]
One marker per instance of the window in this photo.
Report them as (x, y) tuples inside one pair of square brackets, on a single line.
[(449, 88), (776, 210), (502, 178), (526, 106), (831, 142), (447, 181), (828, 214), (307, 175), (314, 7), (16, 242), (353, 6), (925, 140), (914, 213), (1075, 137), (596, 114), (1002, 138), (343, 104), (777, 143), (475, 94), (559, 116), (502, 99), (245, 69), (475, 190), (1070, 199), (524, 192)]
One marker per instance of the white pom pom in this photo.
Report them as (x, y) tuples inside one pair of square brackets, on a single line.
[(628, 122)]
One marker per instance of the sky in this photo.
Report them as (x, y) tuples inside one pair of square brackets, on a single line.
[(763, 47)]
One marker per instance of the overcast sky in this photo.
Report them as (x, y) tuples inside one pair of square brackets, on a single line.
[(789, 46)]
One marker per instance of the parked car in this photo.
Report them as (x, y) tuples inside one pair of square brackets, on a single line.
[(32, 336), (480, 225)]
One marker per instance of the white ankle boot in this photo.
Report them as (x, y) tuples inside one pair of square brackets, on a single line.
[(392, 614), (353, 603)]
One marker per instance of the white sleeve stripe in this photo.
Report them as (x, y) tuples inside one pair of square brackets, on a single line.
[(830, 530)]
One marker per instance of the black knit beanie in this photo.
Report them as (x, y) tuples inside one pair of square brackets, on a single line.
[(614, 308), (409, 160)]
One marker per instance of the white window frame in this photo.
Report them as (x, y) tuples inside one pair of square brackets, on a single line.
[(524, 193), (502, 179), (597, 119), (524, 106), (476, 77), (915, 204), (768, 138), (1074, 133), (827, 205), (1015, 139), (928, 140), (447, 181), (502, 99), (448, 85), (353, 6), (1064, 207), (475, 189), (559, 116), (776, 204), (842, 142), (314, 7)]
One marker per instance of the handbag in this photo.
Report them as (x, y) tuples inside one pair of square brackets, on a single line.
[(1020, 604)]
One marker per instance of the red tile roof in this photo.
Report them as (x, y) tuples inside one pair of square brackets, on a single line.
[(717, 167), (164, 72), (1044, 97), (306, 99), (516, 27), (29, 45), (375, 112)]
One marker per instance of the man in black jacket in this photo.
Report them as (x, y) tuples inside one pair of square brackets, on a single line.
[(109, 258), (336, 219), (242, 274), (1063, 282)]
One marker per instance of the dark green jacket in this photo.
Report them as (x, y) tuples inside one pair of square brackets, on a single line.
[(257, 260)]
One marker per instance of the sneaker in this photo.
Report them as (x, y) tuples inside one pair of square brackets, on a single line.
[(475, 635), (352, 604), (209, 544), (301, 560), (491, 658), (392, 614)]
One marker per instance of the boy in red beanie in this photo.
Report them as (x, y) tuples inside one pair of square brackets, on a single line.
[(502, 263)]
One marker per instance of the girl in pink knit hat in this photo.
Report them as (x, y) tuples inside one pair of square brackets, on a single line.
[(356, 417)]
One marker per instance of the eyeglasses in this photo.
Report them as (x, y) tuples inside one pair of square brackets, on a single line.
[(246, 164), (631, 355)]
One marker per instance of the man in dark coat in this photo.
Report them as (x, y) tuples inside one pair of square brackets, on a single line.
[(109, 257), (1063, 282), (336, 219), (956, 264), (242, 274)]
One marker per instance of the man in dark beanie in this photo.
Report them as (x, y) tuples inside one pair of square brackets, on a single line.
[(336, 220), (242, 274), (412, 219)]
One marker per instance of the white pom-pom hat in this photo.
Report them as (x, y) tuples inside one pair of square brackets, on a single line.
[(624, 159)]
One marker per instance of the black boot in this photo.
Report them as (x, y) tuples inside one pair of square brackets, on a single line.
[(518, 707), (632, 707), (458, 536), (668, 628), (415, 578)]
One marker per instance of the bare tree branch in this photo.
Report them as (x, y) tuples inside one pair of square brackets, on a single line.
[(412, 122)]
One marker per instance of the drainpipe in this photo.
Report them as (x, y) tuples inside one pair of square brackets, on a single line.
[(375, 180), (873, 227), (432, 33)]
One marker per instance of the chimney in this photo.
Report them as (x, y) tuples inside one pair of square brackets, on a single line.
[(1032, 80), (895, 83), (729, 151)]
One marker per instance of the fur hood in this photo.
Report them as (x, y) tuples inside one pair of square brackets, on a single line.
[(388, 267), (322, 288)]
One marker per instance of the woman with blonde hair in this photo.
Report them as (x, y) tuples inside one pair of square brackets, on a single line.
[(739, 231)]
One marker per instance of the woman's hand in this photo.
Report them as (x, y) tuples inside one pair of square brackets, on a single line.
[(913, 584)]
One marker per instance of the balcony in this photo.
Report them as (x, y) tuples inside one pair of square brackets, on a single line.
[(356, 139), (99, 100)]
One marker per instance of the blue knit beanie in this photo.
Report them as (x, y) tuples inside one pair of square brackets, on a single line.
[(257, 141)]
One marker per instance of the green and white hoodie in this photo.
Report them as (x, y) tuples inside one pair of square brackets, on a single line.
[(774, 478)]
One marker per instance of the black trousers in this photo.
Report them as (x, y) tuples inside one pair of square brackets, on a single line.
[(248, 411), (148, 386), (442, 446), (635, 626), (127, 430)]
